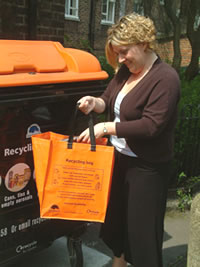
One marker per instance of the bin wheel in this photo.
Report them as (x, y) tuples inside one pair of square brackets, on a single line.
[(74, 246)]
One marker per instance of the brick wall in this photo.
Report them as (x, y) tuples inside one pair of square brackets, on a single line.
[(22, 19), (87, 32), (186, 52), (50, 20), (18, 22), (13, 19), (76, 31), (165, 50)]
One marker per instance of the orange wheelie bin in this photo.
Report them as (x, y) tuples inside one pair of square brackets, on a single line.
[(40, 83)]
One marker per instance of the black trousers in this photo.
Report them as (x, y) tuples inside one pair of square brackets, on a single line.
[(134, 222)]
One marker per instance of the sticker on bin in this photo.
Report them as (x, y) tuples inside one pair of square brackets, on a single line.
[(33, 129), (17, 177)]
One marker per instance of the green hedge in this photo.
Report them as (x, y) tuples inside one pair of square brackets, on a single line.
[(190, 92), (187, 134)]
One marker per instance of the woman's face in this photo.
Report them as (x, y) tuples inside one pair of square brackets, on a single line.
[(133, 56)]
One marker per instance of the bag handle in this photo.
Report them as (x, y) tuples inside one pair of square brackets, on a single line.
[(91, 131)]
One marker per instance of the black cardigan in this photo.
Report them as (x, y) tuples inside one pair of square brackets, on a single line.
[(148, 113)]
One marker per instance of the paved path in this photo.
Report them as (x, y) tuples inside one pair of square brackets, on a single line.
[(176, 238), (96, 254)]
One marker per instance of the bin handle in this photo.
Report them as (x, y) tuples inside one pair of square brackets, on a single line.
[(91, 130)]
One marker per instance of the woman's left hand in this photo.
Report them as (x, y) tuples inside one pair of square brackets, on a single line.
[(98, 133)]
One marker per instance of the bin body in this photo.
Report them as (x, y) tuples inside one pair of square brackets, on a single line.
[(28, 108)]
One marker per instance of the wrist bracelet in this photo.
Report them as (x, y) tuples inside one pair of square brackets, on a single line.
[(105, 131)]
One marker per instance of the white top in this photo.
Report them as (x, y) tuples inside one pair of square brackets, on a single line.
[(120, 143)]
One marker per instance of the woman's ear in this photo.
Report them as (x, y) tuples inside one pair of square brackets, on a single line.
[(145, 46)]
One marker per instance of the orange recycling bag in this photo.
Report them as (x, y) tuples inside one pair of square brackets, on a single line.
[(72, 180)]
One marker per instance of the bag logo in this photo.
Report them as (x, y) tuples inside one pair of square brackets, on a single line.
[(33, 129), (93, 211), (54, 210), (54, 207)]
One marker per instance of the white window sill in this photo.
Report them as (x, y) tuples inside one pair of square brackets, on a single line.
[(67, 17), (103, 22)]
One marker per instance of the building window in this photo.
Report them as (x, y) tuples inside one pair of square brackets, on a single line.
[(196, 22), (71, 9), (108, 11)]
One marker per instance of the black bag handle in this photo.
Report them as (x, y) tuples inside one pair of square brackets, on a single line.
[(91, 131)]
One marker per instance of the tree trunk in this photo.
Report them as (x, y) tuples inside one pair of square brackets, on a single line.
[(148, 7), (176, 21), (176, 45), (193, 34)]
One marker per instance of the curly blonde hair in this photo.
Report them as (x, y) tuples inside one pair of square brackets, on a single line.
[(130, 29)]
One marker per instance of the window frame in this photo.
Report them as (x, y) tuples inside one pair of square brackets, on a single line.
[(162, 2), (68, 8), (107, 13)]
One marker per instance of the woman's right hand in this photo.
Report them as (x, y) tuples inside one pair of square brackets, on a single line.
[(86, 104)]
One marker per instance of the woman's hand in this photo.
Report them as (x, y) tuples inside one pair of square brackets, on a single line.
[(86, 104), (98, 133), (100, 129), (89, 103)]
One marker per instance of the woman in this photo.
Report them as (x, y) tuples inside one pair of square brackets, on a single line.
[(142, 102)]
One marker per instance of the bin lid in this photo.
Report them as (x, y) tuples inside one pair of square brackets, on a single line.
[(43, 62)]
